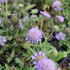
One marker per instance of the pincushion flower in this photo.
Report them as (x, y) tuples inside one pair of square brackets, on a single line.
[(57, 5), (45, 14), (57, 8), (42, 62), (60, 36), (60, 18), (2, 1), (38, 56), (34, 35), (2, 40), (45, 64)]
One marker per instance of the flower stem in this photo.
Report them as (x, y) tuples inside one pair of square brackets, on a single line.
[(6, 9), (41, 24)]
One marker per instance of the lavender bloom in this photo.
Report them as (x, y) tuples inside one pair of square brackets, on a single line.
[(57, 8), (38, 56), (45, 64), (42, 62), (2, 40), (57, 5), (34, 35), (60, 18), (60, 36), (45, 14), (2, 1)]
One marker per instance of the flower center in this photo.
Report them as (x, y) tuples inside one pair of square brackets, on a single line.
[(39, 57)]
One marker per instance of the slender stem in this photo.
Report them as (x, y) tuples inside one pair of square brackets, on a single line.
[(45, 37), (42, 24), (41, 28), (6, 9)]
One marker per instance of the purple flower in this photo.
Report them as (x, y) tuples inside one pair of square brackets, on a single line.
[(57, 3), (60, 18), (57, 8), (60, 36), (2, 1), (45, 64), (45, 14), (2, 40), (34, 35), (42, 62), (38, 56)]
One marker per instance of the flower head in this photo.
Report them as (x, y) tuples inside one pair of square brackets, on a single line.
[(45, 14), (2, 1), (60, 18), (2, 40), (60, 36), (42, 62), (58, 8), (45, 64), (34, 35), (38, 56), (57, 3)]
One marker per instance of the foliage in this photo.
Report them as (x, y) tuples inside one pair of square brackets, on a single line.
[(15, 21)]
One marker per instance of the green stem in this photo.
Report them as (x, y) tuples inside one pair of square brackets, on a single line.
[(6, 9), (1, 4), (42, 24), (41, 28), (45, 37)]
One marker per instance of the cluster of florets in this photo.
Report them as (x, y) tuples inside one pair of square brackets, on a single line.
[(34, 35), (60, 36), (2, 40), (2, 1), (42, 62), (45, 14), (57, 5), (60, 18)]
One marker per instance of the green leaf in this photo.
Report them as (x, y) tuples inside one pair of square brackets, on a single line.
[(18, 61), (7, 67), (11, 56), (68, 23), (34, 11), (30, 6), (21, 5), (60, 56), (0, 67)]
